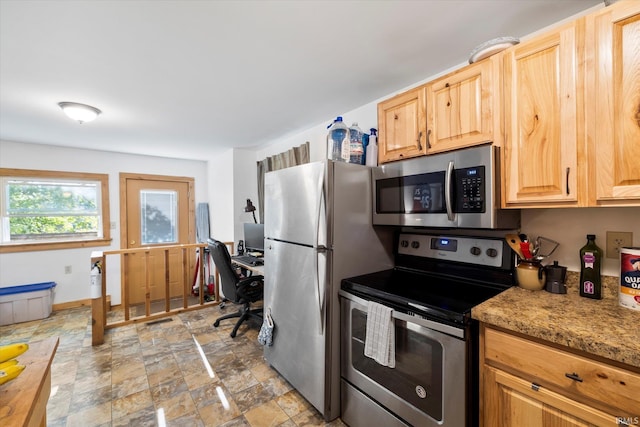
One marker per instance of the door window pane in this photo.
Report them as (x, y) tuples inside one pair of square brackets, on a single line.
[(158, 216)]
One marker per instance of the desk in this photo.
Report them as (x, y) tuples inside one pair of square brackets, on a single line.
[(258, 269), (23, 401)]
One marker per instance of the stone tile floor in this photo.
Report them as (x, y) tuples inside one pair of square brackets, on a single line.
[(154, 374)]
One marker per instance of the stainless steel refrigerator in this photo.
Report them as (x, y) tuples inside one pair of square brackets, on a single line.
[(318, 230)]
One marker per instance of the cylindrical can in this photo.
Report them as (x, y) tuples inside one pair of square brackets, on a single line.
[(630, 278)]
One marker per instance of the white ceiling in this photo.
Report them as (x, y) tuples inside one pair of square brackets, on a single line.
[(189, 78)]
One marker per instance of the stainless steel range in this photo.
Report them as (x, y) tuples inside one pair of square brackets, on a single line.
[(436, 282)]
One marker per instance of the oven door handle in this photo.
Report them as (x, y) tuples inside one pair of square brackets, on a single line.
[(416, 319), (448, 197)]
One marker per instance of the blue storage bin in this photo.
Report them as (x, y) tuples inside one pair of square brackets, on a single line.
[(26, 302)]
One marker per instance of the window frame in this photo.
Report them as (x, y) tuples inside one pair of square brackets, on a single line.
[(105, 240)]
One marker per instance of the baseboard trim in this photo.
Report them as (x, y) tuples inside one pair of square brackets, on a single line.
[(79, 303), (71, 304)]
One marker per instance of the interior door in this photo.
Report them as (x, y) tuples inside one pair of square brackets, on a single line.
[(156, 211)]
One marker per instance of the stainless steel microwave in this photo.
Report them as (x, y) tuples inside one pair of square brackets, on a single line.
[(457, 189)]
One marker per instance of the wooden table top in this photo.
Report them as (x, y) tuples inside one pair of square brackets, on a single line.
[(22, 398)]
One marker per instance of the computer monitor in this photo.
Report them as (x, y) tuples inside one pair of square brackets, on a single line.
[(254, 237)]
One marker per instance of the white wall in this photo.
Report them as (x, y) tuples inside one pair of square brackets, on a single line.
[(49, 266), (570, 227), (366, 116), (245, 182), (220, 172), (232, 180)]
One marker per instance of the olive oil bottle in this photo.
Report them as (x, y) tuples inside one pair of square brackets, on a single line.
[(590, 261)]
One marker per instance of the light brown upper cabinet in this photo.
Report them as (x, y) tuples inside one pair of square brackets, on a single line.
[(543, 101), (463, 107), (402, 122), (613, 104)]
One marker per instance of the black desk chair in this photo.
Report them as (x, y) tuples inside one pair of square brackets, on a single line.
[(240, 290)]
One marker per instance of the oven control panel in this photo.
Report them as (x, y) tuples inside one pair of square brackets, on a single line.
[(471, 250)]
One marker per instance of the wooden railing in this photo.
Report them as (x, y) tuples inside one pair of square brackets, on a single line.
[(99, 309)]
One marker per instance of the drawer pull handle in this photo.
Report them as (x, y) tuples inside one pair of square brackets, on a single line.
[(574, 377)]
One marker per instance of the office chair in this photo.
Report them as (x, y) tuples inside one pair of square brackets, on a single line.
[(239, 290)]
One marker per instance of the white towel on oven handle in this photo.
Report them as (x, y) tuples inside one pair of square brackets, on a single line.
[(380, 338)]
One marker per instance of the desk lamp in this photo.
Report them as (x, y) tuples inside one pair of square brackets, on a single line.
[(252, 209)]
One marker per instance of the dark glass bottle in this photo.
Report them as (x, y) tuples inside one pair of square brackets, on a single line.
[(590, 260)]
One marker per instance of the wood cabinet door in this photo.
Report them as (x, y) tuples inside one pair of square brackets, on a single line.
[(402, 123), (510, 401), (613, 104), (543, 117), (463, 108)]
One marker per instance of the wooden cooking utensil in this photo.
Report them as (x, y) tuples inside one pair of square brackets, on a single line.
[(514, 242)]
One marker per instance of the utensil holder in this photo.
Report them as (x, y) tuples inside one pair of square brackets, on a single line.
[(530, 275)]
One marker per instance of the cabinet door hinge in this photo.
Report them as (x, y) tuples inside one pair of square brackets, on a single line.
[(535, 387)]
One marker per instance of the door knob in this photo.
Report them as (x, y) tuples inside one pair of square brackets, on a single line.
[(133, 242)]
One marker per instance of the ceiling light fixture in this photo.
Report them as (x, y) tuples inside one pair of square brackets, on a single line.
[(80, 112)]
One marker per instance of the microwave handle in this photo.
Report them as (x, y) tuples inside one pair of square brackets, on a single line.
[(447, 192)]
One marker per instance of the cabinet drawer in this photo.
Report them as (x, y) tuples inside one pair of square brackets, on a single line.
[(549, 367)]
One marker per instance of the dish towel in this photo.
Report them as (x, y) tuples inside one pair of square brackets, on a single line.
[(380, 339), (265, 337)]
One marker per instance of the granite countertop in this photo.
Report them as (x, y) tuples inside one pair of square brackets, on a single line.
[(599, 327)]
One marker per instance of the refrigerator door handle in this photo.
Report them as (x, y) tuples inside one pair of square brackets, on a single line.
[(320, 209), (320, 285), (321, 249)]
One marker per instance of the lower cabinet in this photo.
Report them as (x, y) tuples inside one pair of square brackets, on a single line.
[(526, 383), (517, 402)]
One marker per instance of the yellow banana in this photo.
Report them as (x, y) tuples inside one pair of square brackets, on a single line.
[(8, 363), (12, 351), (10, 372)]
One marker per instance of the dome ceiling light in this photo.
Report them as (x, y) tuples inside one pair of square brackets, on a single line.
[(80, 112)]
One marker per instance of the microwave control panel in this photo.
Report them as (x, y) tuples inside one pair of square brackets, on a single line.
[(470, 190)]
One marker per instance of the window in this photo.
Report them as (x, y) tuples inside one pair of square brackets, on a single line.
[(159, 217), (52, 210)]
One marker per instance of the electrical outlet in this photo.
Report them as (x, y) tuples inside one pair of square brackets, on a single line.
[(617, 240), (67, 269)]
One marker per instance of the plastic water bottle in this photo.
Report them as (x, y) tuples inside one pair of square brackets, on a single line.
[(372, 148), (365, 143), (355, 144), (338, 141)]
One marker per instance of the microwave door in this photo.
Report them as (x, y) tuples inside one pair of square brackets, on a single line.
[(414, 200)]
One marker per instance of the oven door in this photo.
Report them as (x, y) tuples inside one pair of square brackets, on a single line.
[(428, 385)]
